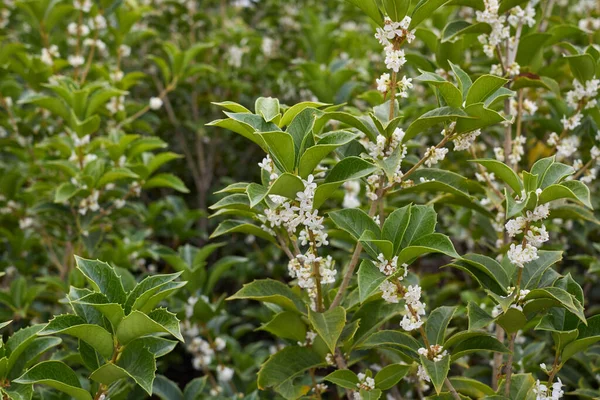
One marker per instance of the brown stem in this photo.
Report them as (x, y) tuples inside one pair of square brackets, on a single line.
[(509, 363), (498, 358), (451, 389)]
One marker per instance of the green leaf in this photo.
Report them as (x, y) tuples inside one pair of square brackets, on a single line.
[(395, 226), (116, 174), (329, 325), (294, 110), (57, 375), (138, 324), (455, 29), (103, 279), (480, 117), (286, 364), (437, 323), (232, 226), (166, 389), (521, 387), (422, 222), (286, 325), (65, 191), (437, 371), (350, 168), (94, 335), (464, 81), (281, 148), (18, 343), (508, 4), (424, 9), (267, 107), (232, 106), (471, 387), (483, 87), (374, 394), (193, 390), (165, 180), (354, 221), (478, 344), (575, 190), (270, 291), (512, 320), (487, 271), (392, 339), (478, 318), (534, 270), (370, 8), (148, 287), (449, 92), (112, 311), (135, 362), (390, 375), (588, 335), (313, 155), (431, 118), (583, 67), (565, 299), (432, 243), (286, 185), (396, 9), (369, 279), (503, 172), (343, 378)]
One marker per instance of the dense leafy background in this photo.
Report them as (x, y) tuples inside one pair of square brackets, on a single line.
[(90, 166)]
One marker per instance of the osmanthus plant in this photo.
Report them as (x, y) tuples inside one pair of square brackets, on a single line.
[(366, 326), (112, 341)]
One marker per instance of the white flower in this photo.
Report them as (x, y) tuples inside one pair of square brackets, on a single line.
[(83, 5), (365, 382), (403, 86), (465, 141), (520, 256), (155, 103), (25, 223), (219, 344), (435, 155), (567, 147), (422, 374), (573, 122), (383, 82), (388, 267), (76, 61), (124, 50), (394, 59), (224, 373), (389, 292), (49, 54), (515, 226)]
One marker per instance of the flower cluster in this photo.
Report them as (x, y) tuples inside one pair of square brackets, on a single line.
[(435, 352), (466, 140), (365, 382), (542, 392), (352, 190), (304, 268), (388, 267), (535, 236), (390, 37), (412, 319), (583, 95), (435, 155), (382, 149)]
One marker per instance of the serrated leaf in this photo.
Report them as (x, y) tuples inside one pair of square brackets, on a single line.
[(138, 324), (94, 335), (103, 279)]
